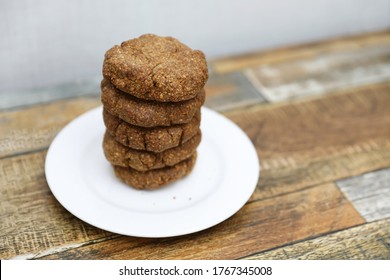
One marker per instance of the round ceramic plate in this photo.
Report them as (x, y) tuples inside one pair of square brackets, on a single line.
[(223, 179)]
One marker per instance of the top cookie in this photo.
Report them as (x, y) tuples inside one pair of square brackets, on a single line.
[(156, 68)]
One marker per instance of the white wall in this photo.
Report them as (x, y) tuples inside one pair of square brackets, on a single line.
[(44, 42)]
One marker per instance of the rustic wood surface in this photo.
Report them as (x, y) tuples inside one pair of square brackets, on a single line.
[(24, 98), (34, 128), (330, 71), (324, 151), (32, 221), (312, 50), (369, 241), (320, 140), (370, 193), (260, 225), (231, 90)]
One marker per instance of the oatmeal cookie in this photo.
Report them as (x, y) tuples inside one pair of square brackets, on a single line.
[(153, 139), (120, 155), (148, 113), (156, 68), (156, 178)]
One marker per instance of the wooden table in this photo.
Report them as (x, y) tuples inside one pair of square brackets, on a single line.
[(319, 116)]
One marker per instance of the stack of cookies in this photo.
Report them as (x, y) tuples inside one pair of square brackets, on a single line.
[(152, 92)]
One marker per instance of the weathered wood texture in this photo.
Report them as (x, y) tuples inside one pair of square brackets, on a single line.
[(328, 72), (32, 221), (369, 241), (302, 139), (309, 51), (369, 193), (229, 91), (34, 128), (321, 140), (27, 97), (260, 225)]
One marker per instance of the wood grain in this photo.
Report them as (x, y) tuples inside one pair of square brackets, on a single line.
[(369, 193), (258, 226), (308, 143), (32, 221), (82, 87), (325, 73), (368, 241), (307, 51), (34, 128), (230, 90)]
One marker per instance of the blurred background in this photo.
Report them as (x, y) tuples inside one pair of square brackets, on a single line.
[(49, 42)]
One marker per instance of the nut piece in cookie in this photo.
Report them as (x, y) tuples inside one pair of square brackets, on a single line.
[(156, 68)]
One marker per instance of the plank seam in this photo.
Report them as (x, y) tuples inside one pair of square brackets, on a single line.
[(17, 154), (57, 250), (249, 75), (312, 238), (48, 102)]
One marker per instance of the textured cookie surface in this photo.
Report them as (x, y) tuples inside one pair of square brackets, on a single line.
[(156, 178), (148, 113), (156, 68), (154, 139), (120, 155)]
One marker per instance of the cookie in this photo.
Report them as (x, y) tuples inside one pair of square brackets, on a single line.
[(148, 113), (156, 68), (156, 178), (120, 155), (154, 139)]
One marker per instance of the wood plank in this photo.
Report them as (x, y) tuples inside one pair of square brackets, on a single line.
[(34, 128), (258, 226), (368, 241), (369, 193), (311, 50), (325, 73), (308, 143), (32, 221), (229, 91), (82, 87)]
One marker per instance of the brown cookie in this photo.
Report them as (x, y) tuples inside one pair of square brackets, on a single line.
[(148, 113), (154, 139), (156, 178), (156, 68), (123, 156)]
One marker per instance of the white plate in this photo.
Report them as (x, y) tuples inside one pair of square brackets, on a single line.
[(223, 179)]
